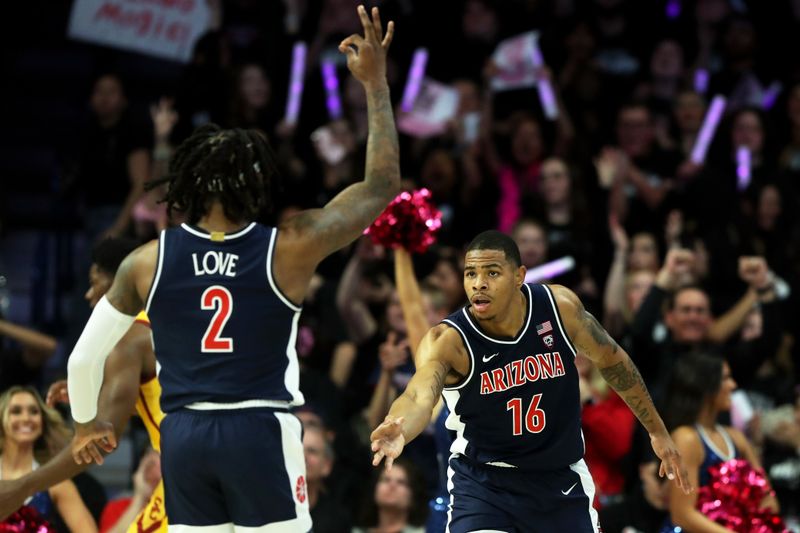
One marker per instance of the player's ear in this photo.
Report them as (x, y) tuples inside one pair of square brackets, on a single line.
[(520, 275)]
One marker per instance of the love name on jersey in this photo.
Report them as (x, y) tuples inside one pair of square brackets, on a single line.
[(215, 263), (517, 373)]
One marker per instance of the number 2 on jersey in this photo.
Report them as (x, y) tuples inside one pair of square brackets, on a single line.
[(217, 298), (534, 419)]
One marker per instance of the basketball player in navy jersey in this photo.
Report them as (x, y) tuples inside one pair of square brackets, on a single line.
[(504, 364), (223, 295)]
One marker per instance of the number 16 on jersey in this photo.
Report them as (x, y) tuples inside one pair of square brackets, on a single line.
[(535, 420)]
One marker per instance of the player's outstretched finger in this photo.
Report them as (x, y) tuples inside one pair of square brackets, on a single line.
[(387, 39), (369, 29), (376, 23), (389, 462)]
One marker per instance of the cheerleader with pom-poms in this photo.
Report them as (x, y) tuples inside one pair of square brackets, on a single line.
[(733, 494)]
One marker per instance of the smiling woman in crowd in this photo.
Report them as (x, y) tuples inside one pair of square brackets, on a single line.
[(31, 434)]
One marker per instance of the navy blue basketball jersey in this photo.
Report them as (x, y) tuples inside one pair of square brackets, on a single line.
[(222, 330), (519, 405)]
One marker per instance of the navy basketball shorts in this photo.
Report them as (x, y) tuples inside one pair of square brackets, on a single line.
[(234, 470), (486, 498)]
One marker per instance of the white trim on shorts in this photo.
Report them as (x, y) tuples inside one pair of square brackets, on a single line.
[(246, 404), (587, 484), (295, 461), (216, 528), (278, 527), (450, 487)]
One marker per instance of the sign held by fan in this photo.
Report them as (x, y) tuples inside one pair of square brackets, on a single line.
[(164, 29), (434, 107), (514, 65)]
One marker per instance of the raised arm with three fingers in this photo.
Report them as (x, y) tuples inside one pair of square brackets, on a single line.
[(307, 238)]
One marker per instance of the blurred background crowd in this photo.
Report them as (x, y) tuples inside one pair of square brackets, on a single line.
[(672, 255)]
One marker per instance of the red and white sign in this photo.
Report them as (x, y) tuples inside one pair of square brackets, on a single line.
[(163, 28)]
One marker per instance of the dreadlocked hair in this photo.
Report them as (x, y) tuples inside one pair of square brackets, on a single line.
[(233, 166)]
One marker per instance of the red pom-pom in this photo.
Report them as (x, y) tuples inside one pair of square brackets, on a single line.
[(26, 520), (732, 498), (410, 221)]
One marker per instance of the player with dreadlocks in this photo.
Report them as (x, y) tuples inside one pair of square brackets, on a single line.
[(223, 295), (224, 165)]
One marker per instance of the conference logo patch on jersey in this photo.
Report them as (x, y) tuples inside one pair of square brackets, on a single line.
[(548, 341), (519, 372)]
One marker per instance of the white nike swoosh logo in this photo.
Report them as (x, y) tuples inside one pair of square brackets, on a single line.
[(566, 492), (487, 359)]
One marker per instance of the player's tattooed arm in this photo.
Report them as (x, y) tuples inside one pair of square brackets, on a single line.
[(344, 218), (438, 351), (619, 371), (614, 364), (322, 231)]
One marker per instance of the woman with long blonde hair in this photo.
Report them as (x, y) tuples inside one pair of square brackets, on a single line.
[(30, 434)]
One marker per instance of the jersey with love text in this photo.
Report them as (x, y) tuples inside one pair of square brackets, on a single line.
[(519, 406), (222, 330)]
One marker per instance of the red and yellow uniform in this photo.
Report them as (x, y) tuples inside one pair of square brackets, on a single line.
[(153, 518)]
